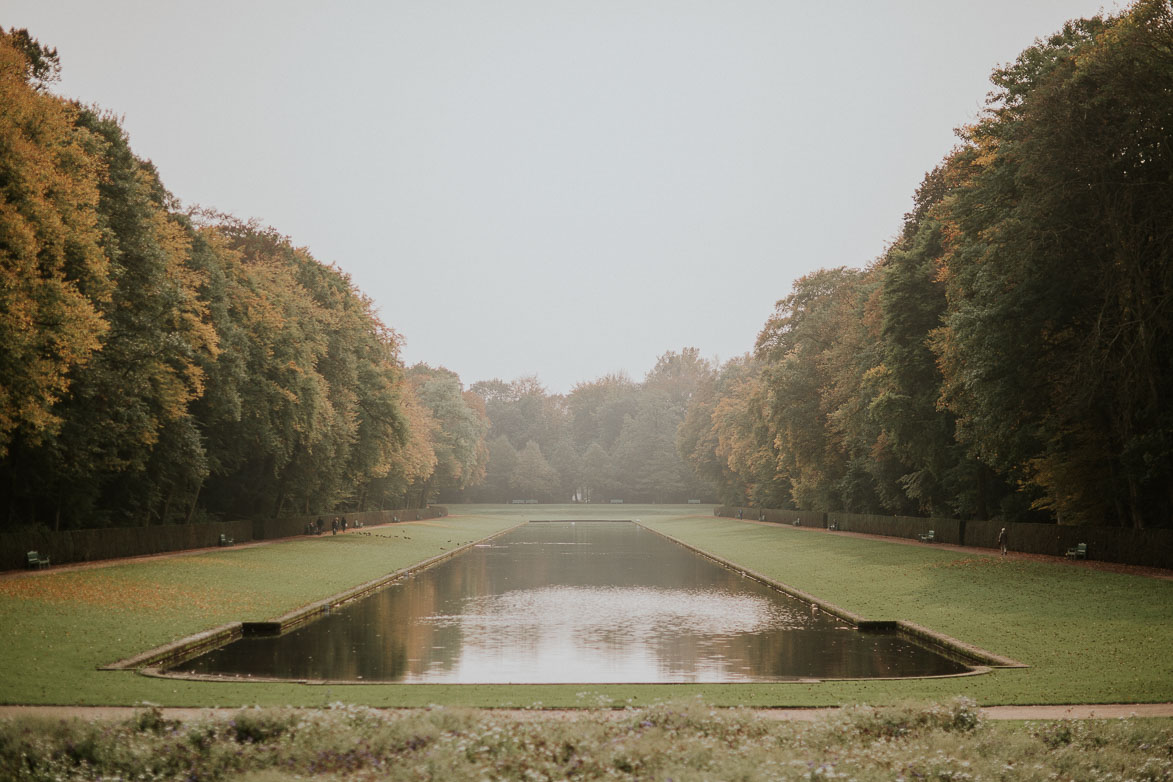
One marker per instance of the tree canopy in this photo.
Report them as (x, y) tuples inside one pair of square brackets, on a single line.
[(1008, 354), (160, 365)]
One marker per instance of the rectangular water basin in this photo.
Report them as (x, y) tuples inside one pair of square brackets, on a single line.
[(575, 602)]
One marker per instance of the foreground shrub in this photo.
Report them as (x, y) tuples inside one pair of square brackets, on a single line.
[(678, 741)]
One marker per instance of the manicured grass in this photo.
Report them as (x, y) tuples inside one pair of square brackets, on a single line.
[(58, 627), (1090, 636), (675, 741)]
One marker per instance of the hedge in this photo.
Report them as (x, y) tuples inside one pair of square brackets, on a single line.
[(1147, 547), (88, 545)]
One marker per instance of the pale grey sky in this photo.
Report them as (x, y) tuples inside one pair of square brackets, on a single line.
[(555, 188)]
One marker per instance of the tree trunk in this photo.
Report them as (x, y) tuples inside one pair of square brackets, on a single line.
[(194, 502)]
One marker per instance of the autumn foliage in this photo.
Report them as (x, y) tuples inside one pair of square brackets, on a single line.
[(1011, 353), (160, 365)]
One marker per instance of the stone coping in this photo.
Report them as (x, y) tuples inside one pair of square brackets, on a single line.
[(194, 645), (153, 662), (982, 659)]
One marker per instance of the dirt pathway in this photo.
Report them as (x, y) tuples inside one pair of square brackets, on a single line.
[(1069, 712)]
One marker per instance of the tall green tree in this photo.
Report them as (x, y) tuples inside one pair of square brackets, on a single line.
[(458, 435), (598, 474), (1059, 274), (935, 473), (128, 450), (533, 478), (793, 347)]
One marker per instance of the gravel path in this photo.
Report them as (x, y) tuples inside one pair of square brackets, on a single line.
[(1070, 712)]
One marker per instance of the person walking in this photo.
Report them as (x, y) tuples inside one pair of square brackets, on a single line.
[(1002, 540)]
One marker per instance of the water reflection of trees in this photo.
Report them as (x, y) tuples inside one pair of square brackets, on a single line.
[(502, 603)]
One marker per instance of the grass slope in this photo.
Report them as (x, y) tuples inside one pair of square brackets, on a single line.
[(1090, 636)]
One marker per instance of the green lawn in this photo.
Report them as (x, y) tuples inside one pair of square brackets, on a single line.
[(1089, 636)]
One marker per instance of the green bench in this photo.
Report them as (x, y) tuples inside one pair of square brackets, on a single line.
[(35, 560), (928, 537), (225, 540), (1079, 552)]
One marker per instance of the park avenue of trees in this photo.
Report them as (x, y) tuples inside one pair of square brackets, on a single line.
[(1009, 355)]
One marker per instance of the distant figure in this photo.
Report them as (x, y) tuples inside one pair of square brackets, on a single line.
[(318, 525), (1002, 540), (344, 524), (739, 513), (334, 526)]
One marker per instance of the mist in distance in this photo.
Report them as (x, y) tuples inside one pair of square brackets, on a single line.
[(560, 190)]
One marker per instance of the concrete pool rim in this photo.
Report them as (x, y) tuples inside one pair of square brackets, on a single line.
[(155, 662), (983, 658)]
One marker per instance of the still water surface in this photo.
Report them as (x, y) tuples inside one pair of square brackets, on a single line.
[(575, 602)]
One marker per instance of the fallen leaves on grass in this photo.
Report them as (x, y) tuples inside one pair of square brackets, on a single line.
[(118, 593)]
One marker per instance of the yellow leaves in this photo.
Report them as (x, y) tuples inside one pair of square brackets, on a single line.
[(52, 271), (417, 458)]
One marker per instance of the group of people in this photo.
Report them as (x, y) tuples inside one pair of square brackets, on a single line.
[(318, 526)]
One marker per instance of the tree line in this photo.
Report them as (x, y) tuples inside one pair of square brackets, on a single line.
[(1008, 355), (160, 365), (1011, 353), (610, 438)]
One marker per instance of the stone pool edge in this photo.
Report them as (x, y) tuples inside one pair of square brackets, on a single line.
[(153, 661), (925, 635)]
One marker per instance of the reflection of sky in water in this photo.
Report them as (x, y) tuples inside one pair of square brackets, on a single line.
[(575, 603), (603, 634), (606, 610)]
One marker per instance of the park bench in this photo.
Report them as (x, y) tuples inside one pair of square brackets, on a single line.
[(225, 540), (928, 537), (35, 560), (1079, 552), (832, 526)]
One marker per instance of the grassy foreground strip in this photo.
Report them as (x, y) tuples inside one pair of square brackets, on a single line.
[(1089, 636), (678, 741)]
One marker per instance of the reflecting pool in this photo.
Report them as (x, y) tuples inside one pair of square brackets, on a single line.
[(575, 602)]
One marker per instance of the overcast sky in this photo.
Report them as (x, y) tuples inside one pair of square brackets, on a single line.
[(560, 189)]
